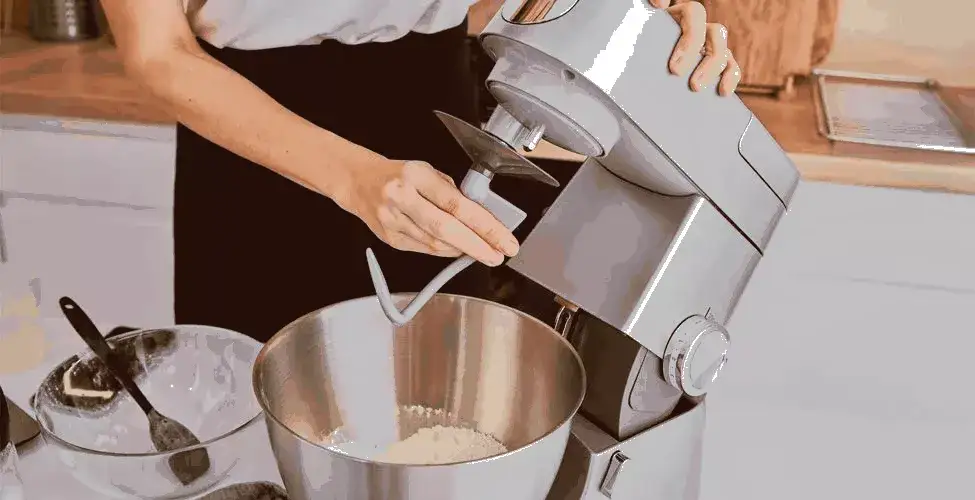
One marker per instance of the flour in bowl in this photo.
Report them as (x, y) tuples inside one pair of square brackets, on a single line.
[(442, 445), (435, 437)]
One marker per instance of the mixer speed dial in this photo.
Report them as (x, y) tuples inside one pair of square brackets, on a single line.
[(695, 355)]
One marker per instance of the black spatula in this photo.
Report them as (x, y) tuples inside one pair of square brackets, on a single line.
[(166, 433)]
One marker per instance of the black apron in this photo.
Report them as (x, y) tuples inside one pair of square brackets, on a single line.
[(253, 250)]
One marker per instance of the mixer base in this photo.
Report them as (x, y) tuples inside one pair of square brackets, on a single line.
[(661, 463)]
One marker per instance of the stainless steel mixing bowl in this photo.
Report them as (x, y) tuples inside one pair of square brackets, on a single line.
[(345, 375)]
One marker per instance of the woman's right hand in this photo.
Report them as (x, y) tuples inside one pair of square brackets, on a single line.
[(414, 207)]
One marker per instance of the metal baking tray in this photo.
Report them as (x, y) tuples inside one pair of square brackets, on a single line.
[(892, 111)]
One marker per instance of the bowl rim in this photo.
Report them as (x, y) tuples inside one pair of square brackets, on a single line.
[(259, 394), (47, 433)]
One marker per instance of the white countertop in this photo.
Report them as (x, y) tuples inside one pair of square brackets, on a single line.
[(38, 464)]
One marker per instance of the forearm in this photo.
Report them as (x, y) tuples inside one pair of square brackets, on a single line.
[(230, 111)]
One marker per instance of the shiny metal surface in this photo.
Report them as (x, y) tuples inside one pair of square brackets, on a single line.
[(626, 391), (580, 132), (638, 261), (600, 82), (663, 462), (952, 136), (346, 368), (652, 230), (534, 137), (63, 20), (695, 355), (535, 11), (563, 319), (666, 220), (616, 464), (506, 128)]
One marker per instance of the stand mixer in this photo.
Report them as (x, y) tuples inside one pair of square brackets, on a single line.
[(649, 246)]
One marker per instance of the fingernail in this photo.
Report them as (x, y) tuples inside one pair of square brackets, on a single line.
[(510, 247), (497, 259)]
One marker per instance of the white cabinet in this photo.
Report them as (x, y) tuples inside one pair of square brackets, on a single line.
[(115, 262), (893, 236), (86, 209), (128, 165)]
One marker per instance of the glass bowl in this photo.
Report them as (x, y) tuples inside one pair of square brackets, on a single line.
[(197, 375)]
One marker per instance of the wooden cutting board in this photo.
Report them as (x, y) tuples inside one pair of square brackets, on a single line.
[(774, 40), (14, 14)]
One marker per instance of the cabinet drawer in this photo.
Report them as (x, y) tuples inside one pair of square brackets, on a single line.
[(122, 164), (116, 262)]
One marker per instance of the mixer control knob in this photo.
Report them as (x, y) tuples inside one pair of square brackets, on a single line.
[(695, 355)]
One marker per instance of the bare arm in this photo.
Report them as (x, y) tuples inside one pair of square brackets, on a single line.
[(408, 204), (159, 49)]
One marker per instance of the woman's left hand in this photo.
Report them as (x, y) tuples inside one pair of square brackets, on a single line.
[(718, 67)]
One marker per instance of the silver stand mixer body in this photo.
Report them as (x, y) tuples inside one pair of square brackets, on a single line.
[(652, 242)]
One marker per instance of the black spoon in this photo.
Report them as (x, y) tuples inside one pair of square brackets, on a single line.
[(166, 434)]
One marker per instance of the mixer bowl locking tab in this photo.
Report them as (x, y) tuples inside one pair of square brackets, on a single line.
[(490, 155)]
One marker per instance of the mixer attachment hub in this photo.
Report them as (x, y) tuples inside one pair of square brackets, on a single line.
[(493, 154)]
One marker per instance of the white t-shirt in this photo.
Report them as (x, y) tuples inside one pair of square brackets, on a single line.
[(263, 24)]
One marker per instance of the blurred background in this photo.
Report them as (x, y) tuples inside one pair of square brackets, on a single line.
[(850, 376)]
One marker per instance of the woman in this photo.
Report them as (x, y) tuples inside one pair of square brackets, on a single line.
[(307, 135)]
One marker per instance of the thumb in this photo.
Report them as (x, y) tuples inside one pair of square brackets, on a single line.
[(660, 4)]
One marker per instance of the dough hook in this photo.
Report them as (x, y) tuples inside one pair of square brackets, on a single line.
[(490, 155)]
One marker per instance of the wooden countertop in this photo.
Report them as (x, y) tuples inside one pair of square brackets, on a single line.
[(79, 80), (86, 81)]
